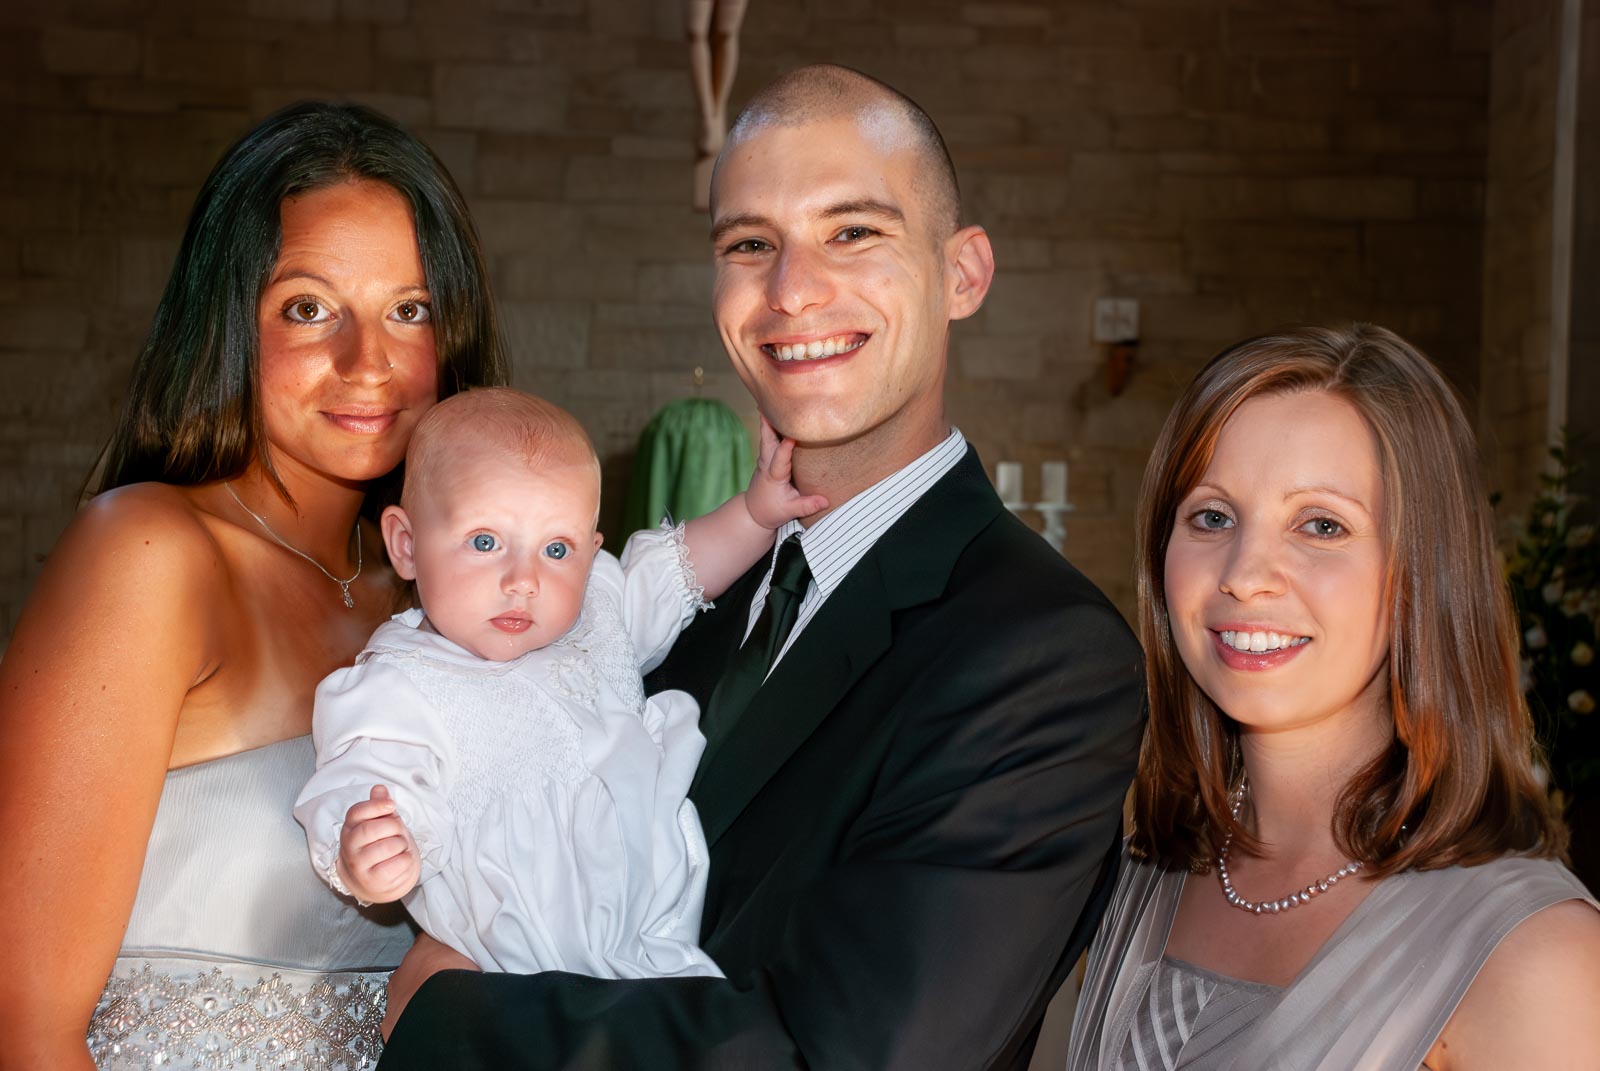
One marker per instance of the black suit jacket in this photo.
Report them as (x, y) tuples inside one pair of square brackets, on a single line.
[(913, 826)]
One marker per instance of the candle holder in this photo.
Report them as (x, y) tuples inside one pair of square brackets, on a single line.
[(1053, 486), (1055, 531), (1008, 485)]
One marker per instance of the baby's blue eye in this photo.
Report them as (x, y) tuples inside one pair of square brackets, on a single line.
[(556, 550), (483, 541)]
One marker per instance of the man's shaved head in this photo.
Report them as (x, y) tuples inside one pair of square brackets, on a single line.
[(884, 115)]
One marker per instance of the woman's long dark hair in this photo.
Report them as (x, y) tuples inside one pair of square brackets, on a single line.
[(192, 412)]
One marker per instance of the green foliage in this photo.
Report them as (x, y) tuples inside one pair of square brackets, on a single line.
[(1554, 571)]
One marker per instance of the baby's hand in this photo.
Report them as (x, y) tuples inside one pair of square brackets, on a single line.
[(772, 499), (378, 859)]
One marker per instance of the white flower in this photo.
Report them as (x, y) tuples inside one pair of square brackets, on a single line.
[(1552, 592), (1572, 603), (1525, 676), (1541, 776), (1580, 702), (1581, 535), (1534, 639), (1582, 654)]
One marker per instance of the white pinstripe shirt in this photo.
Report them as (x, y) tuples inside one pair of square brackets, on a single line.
[(837, 542)]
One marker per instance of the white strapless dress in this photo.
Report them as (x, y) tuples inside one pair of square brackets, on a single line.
[(236, 954)]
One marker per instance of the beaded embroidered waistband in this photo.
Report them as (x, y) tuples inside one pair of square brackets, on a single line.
[(239, 1018)]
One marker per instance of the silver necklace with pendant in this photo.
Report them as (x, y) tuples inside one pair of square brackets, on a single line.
[(344, 585)]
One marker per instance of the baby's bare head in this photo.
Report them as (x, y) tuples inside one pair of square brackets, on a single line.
[(525, 429)]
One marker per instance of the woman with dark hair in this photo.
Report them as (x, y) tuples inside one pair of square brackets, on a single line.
[(156, 697), (1341, 856)]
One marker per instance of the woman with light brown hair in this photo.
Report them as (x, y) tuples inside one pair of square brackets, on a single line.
[(1341, 856)]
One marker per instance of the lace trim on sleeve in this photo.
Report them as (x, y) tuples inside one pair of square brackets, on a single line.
[(694, 591), (328, 868)]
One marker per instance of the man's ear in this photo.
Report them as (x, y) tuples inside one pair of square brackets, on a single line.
[(970, 260), (396, 528)]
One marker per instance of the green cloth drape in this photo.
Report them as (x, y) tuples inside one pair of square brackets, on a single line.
[(693, 455)]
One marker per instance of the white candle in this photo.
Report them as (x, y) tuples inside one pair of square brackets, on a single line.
[(1053, 478), (1008, 481)]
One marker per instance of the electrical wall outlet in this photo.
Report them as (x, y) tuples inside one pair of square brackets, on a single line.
[(1116, 320)]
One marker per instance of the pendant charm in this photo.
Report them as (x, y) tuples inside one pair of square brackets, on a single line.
[(344, 585)]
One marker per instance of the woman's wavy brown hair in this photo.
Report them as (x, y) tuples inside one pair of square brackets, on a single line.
[(1458, 777)]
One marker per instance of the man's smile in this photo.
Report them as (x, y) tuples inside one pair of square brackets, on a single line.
[(815, 349)]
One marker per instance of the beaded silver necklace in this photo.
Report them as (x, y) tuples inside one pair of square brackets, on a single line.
[(344, 585), (1270, 907)]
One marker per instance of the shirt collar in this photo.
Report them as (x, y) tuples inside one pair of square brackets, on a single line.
[(841, 539)]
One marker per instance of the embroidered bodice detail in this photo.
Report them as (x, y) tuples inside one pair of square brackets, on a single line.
[(506, 729), (601, 639)]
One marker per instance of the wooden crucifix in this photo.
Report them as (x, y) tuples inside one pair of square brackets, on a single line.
[(712, 28)]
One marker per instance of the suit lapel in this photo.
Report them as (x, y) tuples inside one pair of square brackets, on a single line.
[(910, 564), (845, 637)]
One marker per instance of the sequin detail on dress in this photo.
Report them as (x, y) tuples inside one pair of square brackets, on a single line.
[(150, 1019)]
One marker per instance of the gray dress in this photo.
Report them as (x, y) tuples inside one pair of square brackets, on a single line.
[(236, 954), (1375, 995)]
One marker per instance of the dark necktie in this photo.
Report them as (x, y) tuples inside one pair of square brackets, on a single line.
[(748, 668)]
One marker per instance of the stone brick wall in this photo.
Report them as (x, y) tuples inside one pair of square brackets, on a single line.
[(1583, 399), (1231, 164), (1513, 416), (1541, 318)]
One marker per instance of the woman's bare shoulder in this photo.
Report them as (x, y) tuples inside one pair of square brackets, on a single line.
[(145, 504), (1557, 949), (120, 624), (140, 556), (155, 523), (1532, 1003)]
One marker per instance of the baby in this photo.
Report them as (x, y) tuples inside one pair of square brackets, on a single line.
[(491, 758)]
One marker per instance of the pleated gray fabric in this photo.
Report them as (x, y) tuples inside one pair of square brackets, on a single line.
[(1376, 995), (1187, 1014)]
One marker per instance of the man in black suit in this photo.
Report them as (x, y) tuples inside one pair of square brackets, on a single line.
[(914, 818)]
